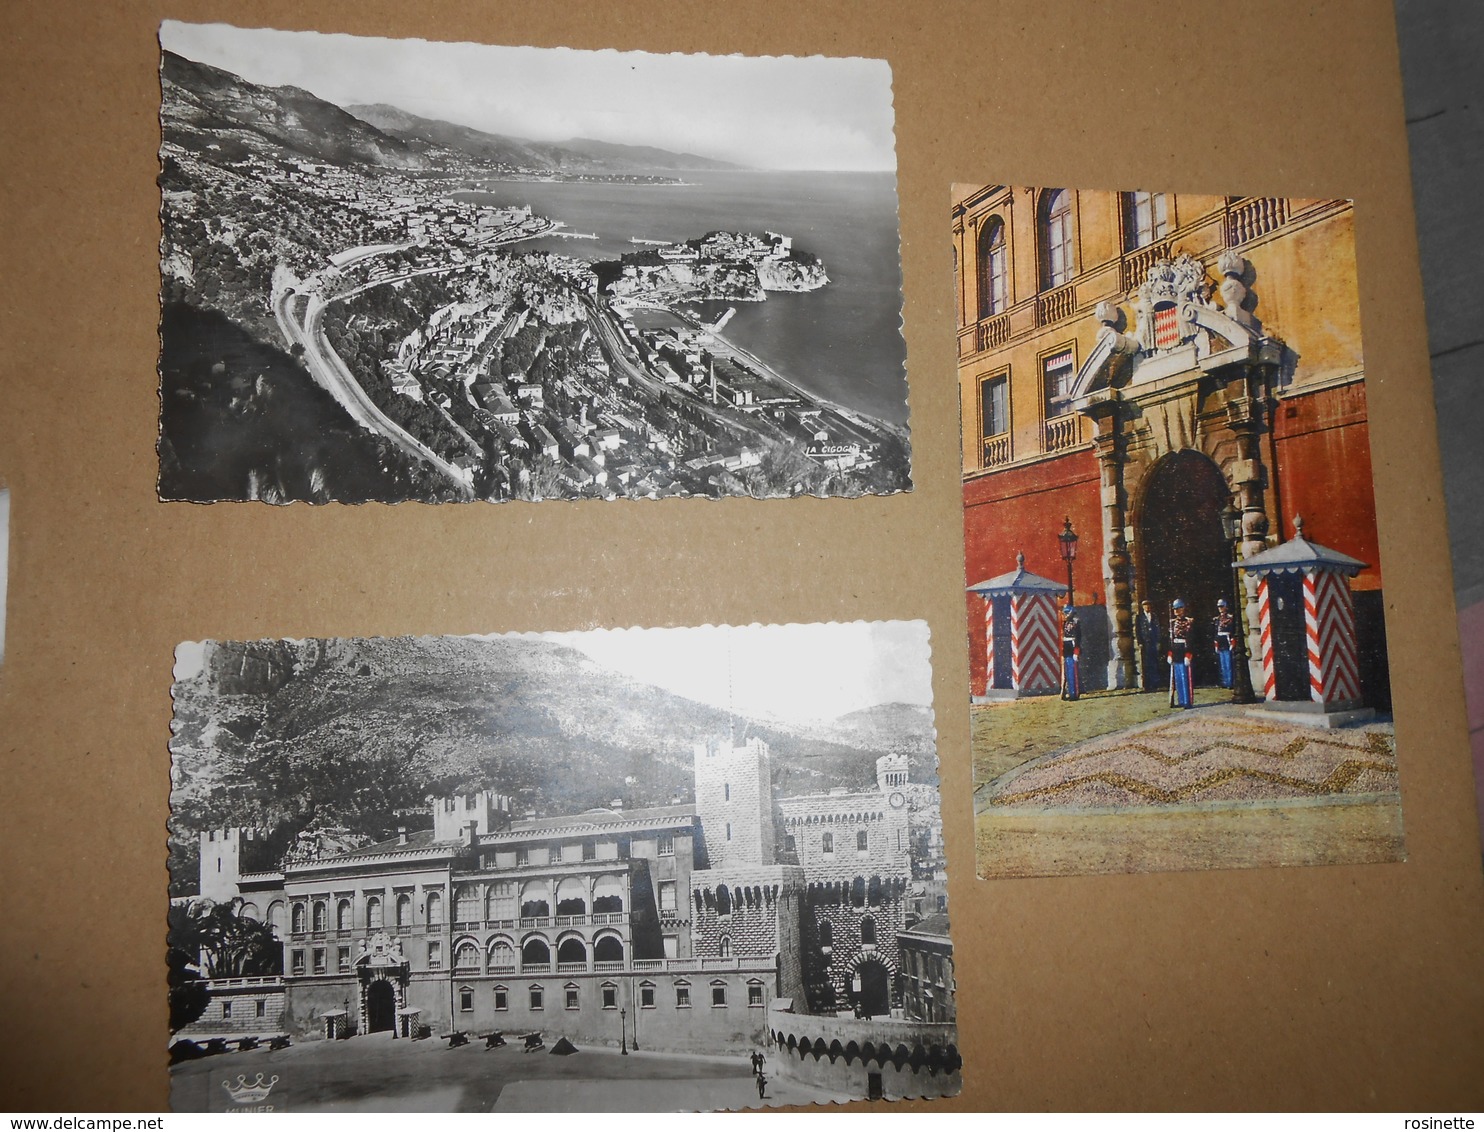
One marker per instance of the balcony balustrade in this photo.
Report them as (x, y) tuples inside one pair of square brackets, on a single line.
[(1059, 433), (996, 451), (1256, 216), (1056, 305), (1133, 269), (993, 331)]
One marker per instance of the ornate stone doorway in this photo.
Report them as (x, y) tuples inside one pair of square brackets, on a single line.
[(873, 995), (1180, 549), (381, 1007)]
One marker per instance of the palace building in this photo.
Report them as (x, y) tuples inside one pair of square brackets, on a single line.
[(1136, 363), (672, 928)]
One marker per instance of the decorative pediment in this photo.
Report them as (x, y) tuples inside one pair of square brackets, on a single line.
[(1175, 314), (1166, 303), (381, 950)]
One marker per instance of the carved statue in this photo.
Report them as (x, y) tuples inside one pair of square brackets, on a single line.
[(1234, 293)]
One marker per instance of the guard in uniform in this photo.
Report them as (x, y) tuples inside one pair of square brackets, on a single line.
[(1146, 633), (1223, 629), (1181, 628), (1071, 651)]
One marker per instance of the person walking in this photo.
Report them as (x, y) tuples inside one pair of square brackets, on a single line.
[(1146, 633), (1223, 627), (762, 1086), (1181, 627), (1071, 652)]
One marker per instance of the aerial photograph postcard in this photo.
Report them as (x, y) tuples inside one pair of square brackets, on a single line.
[(611, 870), (400, 270), (1175, 601)]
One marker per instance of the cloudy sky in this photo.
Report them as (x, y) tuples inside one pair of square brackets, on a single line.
[(773, 113), (797, 673)]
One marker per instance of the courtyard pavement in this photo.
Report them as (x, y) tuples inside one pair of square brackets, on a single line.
[(1119, 782), (377, 1073)]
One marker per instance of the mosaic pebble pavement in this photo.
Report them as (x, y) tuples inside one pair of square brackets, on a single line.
[(1215, 755)]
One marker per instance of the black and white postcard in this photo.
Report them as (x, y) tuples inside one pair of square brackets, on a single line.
[(614, 870), (402, 270)]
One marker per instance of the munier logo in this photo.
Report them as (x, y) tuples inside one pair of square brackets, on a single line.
[(255, 1094)]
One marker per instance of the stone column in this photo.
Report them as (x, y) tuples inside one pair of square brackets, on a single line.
[(1109, 444), (1244, 415)]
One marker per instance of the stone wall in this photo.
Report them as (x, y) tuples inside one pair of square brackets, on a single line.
[(234, 1009), (737, 1023), (912, 1059)]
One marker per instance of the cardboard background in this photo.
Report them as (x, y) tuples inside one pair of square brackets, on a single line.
[(1339, 987)]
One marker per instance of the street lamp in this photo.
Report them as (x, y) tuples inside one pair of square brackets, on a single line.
[(1231, 522), (1067, 541), (623, 1030)]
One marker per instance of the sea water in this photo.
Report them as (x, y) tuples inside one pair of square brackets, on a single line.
[(843, 342)]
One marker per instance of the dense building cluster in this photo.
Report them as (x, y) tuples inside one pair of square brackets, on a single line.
[(683, 923)]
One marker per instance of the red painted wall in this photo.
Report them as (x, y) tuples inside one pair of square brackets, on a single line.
[(1324, 474), (1021, 509)]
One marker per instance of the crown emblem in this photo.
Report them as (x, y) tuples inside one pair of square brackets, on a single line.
[(243, 1093)]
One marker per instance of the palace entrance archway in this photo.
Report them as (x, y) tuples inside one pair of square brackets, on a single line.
[(874, 995), (1181, 548), (381, 1007)]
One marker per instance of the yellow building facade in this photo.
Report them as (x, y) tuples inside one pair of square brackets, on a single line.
[(1134, 362)]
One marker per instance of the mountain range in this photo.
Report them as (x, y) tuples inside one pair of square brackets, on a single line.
[(206, 109), (357, 734), (576, 155)]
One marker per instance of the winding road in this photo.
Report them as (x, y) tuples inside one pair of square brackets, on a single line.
[(329, 370)]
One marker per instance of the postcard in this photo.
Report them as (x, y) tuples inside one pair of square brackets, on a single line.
[(1175, 596), (613, 870), (402, 270)]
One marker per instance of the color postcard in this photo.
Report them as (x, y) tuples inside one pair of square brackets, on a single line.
[(1175, 595)]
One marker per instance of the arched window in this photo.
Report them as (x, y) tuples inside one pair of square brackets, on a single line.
[(277, 917), (466, 903), (1056, 238), (724, 948), (435, 909), (868, 929), (466, 956), (826, 933), (608, 949), (321, 916), (571, 897), (535, 900), (344, 916), (373, 914), (1146, 218), (994, 275), (723, 900), (572, 950), (502, 955), (862, 841), (827, 843), (248, 911), (501, 902), (535, 951), (608, 895), (404, 910), (298, 918)]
